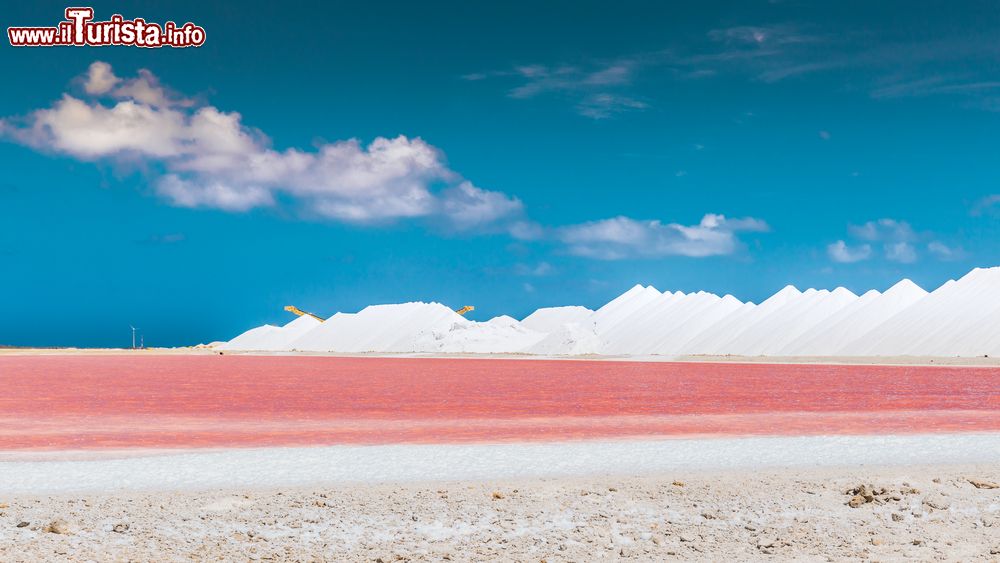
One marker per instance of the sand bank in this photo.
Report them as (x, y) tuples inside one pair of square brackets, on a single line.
[(45, 473)]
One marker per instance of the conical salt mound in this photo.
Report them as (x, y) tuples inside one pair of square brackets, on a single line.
[(551, 319), (269, 338), (951, 320), (872, 309), (716, 339)]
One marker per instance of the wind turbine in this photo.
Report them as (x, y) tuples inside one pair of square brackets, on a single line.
[(133, 335)]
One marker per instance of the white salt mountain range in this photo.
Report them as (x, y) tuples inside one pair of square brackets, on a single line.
[(960, 318)]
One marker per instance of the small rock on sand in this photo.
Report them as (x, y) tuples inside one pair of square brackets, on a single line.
[(863, 494), (936, 502), (979, 484), (57, 526)]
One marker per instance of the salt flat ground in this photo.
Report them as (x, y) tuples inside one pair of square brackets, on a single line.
[(916, 513)]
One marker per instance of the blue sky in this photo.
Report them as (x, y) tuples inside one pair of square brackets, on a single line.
[(511, 156)]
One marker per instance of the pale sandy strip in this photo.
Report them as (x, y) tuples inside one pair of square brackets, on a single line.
[(281, 467)]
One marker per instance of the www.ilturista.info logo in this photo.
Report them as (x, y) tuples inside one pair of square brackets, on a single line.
[(79, 29)]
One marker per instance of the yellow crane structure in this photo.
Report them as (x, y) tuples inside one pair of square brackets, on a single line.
[(465, 309), (299, 312)]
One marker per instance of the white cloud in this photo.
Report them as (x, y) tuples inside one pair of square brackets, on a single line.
[(598, 88), (941, 251), (622, 237), (897, 238), (757, 36), (209, 158), (526, 230), (539, 79), (986, 205), (467, 206), (603, 106), (889, 230), (215, 194), (741, 34), (91, 131), (841, 252), (899, 243), (539, 270), (901, 252), (100, 79), (146, 89)]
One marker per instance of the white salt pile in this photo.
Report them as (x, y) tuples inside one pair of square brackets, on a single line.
[(551, 319), (377, 328), (729, 328), (961, 318), (497, 335), (272, 338), (770, 333), (958, 319), (573, 339), (861, 316)]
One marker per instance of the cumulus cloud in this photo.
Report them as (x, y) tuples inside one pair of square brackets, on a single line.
[(211, 193), (897, 241), (100, 79), (883, 230), (897, 238), (91, 131), (145, 88), (467, 206), (540, 269), (945, 252), (622, 237), (525, 230), (206, 157), (986, 205), (841, 252), (903, 252)]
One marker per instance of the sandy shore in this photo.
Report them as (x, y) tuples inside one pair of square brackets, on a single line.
[(58, 472), (914, 513)]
